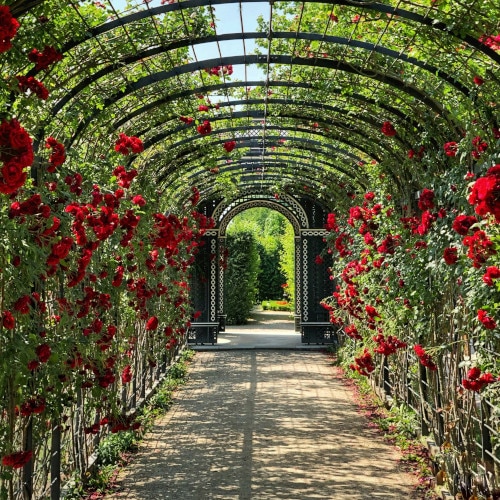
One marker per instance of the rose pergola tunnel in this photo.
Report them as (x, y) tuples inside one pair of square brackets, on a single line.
[(132, 132)]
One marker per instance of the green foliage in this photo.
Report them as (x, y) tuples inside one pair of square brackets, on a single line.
[(113, 446), (276, 305), (268, 227), (241, 278)]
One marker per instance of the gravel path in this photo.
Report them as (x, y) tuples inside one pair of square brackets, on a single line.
[(263, 425)]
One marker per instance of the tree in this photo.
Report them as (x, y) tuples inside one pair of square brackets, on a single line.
[(241, 278)]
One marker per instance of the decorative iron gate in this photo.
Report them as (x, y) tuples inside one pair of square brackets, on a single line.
[(312, 282)]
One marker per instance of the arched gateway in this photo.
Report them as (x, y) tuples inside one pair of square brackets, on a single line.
[(313, 283)]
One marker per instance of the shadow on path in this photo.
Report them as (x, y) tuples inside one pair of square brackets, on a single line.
[(264, 425)]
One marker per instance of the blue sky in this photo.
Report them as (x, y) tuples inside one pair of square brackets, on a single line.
[(228, 21)]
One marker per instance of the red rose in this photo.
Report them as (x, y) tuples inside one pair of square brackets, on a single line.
[(388, 129), (450, 148), (485, 193), (426, 199), (492, 272), (478, 80), (152, 323), (43, 352), (35, 86), (450, 255), (44, 59), (205, 128), (8, 320), (126, 374), (8, 28), (127, 145), (138, 200), (18, 459), (463, 223), (229, 146), (488, 322)]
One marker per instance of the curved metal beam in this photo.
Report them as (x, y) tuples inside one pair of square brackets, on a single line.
[(395, 12), (256, 35), (273, 59)]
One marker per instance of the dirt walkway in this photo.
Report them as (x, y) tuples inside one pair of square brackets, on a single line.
[(264, 425)]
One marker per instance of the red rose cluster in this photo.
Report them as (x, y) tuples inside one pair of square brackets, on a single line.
[(204, 128), (35, 86), (364, 364), (426, 199), (220, 70), (476, 380), (488, 322), (389, 345), (485, 193), (127, 145), (16, 153), (45, 58), (18, 459), (229, 146), (124, 178), (424, 358), (352, 331), (8, 28), (388, 129), (58, 155)]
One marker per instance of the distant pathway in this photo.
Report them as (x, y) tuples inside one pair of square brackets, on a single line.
[(263, 425)]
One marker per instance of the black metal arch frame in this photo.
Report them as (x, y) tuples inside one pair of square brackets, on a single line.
[(343, 121)]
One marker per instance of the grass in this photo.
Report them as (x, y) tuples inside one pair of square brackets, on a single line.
[(276, 305), (115, 450)]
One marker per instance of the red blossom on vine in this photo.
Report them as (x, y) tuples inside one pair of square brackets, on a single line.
[(463, 223), (388, 129), (363, 364), (128, 145), (475, 380), (450, 148), (204, 128), (485, 193), (49, 55), (229, 146), (450, 255), (16, 153), (18, 459), (480, 248), (426, 199), (492, 273), (424, 358), (35, 86), (8, 28), (488, 322), (58, 155)]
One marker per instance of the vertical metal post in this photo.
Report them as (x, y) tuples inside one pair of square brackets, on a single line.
[(55, 462), (28, 468)]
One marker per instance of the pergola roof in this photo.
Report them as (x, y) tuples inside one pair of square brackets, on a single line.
[(329, 74)]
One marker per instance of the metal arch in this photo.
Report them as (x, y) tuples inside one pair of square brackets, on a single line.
[(374, 6), (298, 178), (276, 137), (273, 59), (258, 114), (285, 102), (227, 85), (291, 139), (211, 191), (259, 203), (306, 170), (255, 35)]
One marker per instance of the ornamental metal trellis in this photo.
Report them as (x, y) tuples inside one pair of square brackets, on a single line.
[(312, 281)]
